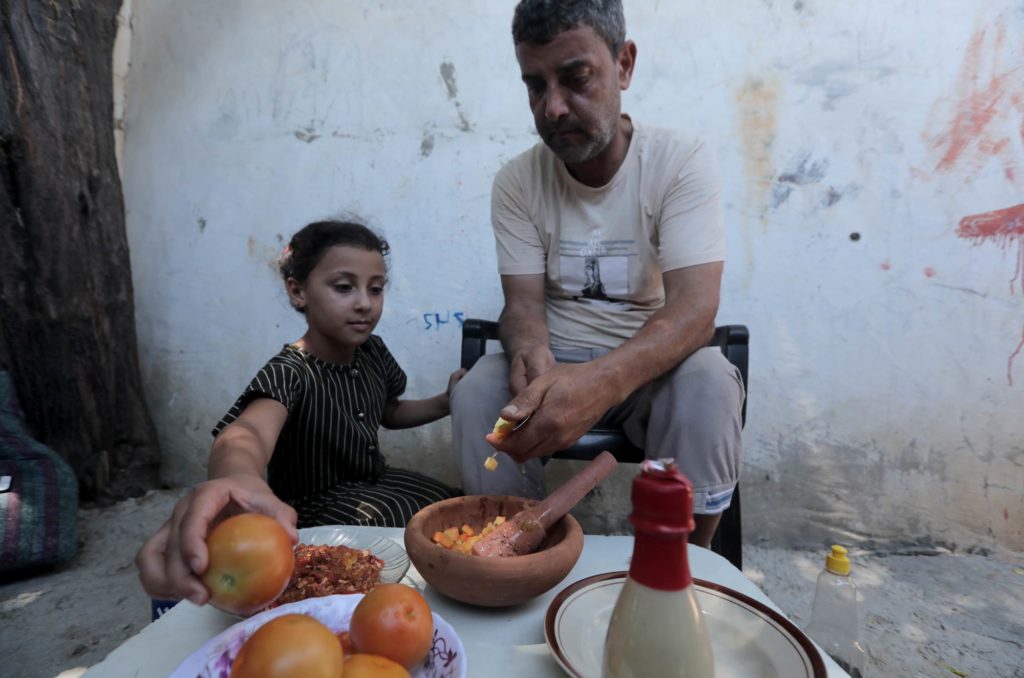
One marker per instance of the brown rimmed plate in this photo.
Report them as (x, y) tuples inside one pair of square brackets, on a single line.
[(747, 637)]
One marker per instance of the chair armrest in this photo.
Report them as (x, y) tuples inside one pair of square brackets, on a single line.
[(475, 335)]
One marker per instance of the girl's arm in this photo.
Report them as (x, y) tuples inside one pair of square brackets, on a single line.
[(409, 413), (246, 444), (171, 560)]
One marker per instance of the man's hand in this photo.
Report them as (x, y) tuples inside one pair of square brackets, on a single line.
[(171, 561), (527, 365), (565, 402)]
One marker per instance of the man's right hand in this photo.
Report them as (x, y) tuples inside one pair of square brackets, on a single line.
[(527, 365), (171, 561)]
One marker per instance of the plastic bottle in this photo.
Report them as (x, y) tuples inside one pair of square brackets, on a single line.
[(657, 628), (834, 621)]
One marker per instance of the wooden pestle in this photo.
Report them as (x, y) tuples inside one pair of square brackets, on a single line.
[(524, 531)]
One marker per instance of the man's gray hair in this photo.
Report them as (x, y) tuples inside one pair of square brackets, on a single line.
[(540, 21)]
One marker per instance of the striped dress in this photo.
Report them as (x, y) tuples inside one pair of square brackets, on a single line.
[(327, 463)]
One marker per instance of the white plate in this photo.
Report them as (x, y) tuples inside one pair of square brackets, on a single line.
[(396, 560), (447, 659), (748, 639)]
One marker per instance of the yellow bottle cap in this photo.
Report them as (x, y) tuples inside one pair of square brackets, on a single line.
[(837, 562)]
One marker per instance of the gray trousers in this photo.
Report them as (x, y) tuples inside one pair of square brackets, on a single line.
[(692, 414)]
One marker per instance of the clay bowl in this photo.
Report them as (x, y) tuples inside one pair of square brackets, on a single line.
[(489, 582)]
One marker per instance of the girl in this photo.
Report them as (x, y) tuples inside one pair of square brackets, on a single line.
[(323, 398), (308, 421)]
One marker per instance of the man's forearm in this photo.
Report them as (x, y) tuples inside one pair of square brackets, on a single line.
[(665, 340), (684, 324), (522, 328)]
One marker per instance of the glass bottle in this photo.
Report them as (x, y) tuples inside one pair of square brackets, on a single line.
[(834, 618), (657, 628)]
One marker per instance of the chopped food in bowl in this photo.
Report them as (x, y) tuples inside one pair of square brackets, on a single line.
[(322, 570)]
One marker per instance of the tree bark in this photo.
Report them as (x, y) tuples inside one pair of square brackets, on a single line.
[(67, 319)]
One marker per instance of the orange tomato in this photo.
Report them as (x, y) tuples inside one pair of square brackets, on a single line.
[(290, 645), (373, 666), (345, 638), (251, 560), (393, 621)]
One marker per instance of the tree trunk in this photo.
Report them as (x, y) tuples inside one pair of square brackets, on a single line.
[(67, 320)]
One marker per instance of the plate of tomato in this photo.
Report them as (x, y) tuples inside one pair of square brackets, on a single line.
[(445, 657)]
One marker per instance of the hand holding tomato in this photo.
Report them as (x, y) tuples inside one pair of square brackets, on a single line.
[(171, 560), (393, 621), (251, 561)]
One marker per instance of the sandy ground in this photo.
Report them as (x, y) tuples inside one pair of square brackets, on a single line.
[(922, 615)]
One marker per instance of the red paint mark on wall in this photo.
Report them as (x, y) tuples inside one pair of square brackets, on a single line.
[(929, 272), (988, 106), (1005, 227), (886, 265), (1002, 225)]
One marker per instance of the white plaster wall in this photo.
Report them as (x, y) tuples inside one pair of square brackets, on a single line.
[(884, 400)]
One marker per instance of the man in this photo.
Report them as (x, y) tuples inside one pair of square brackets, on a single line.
[(610, 246)]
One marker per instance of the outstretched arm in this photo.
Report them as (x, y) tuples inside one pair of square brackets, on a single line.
[(171, 561), (568, 399)]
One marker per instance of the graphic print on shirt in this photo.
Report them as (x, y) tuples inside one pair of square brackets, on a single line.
[(596, 269)]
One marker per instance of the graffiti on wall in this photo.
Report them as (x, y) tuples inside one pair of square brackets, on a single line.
[(434, 320)]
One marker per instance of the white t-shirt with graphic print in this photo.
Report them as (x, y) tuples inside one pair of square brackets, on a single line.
[(604, 249)]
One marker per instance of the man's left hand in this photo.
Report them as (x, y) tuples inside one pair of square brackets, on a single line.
[(565, 402)]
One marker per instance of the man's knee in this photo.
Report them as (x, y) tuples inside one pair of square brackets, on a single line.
[(706, 377), (487, 381)]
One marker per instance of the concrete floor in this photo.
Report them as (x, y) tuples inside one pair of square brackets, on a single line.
[(922, 615)]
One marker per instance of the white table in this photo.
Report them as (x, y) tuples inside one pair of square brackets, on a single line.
[(498, 642)]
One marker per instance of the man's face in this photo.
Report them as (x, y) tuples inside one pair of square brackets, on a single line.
[(574, 83)]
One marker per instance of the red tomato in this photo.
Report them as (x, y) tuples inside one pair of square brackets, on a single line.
[(373, 666), (393, 621), (251, 560), (290, 645)]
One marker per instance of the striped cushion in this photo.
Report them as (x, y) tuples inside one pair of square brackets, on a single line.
[(39, 506)]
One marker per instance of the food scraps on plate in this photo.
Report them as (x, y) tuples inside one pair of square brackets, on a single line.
[(327, 570)]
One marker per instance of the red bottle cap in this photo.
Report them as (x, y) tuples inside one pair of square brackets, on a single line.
[(663, 518), (662, 499)]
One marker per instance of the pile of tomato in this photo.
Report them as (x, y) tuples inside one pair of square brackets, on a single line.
[(391, 632), (251, 559)]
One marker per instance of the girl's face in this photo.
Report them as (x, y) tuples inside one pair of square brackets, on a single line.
[(343, 298)]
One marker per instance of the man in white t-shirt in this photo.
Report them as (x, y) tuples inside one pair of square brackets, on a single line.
[(610, 247)]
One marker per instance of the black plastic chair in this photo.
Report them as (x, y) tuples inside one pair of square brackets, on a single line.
[(733, 340)]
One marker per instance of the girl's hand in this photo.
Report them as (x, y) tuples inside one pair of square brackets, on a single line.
[(171, 561), (454, 379)]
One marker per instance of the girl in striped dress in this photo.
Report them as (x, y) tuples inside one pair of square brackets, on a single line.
[(300, 443), (323, 398)]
